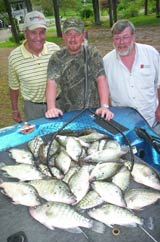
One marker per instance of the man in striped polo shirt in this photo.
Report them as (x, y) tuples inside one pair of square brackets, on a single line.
[(28, 68)]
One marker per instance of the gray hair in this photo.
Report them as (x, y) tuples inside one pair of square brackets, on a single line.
[(120, 25)]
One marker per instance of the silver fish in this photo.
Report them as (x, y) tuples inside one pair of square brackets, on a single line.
[(79, 183), (63, 216), (94, 146), (54, 190), (73, 148), (109, 192), (53, 147), (55, 171), (105, 170), (111, 153), (23, 172), (110, 214), (90, 200), (21, 193), (34, 145), (70, 173), (139, 198), (122, 178), (94, 136), (145, 175), (21, 156), (63, 161)]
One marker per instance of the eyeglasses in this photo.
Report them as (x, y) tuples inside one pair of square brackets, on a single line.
[(120, 39)]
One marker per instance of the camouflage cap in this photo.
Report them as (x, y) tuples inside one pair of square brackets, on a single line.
[(73, 23)]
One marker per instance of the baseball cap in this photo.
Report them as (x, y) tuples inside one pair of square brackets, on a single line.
[(34, 20), (73, 23)]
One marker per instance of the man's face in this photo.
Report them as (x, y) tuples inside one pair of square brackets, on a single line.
[(124, 42), (35, 39), (73, 40)]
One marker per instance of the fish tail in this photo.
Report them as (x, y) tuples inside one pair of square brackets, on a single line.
[(98, 227), (149, 223), (144, 230)]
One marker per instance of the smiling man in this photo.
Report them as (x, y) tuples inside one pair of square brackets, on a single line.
[(67, 75), (27, 69), (133, 73)]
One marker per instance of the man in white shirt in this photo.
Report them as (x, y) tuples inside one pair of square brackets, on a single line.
[(133, 73)]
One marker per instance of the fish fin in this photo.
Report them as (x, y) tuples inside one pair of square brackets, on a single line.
[(98, 227), (149, 223)]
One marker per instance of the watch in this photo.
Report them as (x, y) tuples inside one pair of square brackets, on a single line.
[(105, 105)]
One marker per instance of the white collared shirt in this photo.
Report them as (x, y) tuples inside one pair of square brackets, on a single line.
[(136, 88)]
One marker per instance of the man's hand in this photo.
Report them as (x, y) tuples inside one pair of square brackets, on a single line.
[(105, 113), (53, 113), (17, 116)]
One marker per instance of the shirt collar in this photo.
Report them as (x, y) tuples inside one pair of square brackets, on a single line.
[(28, 54)]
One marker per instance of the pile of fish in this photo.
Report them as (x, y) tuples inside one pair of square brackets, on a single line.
[(78, 181)]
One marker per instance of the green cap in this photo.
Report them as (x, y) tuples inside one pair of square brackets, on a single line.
[(73, 23)]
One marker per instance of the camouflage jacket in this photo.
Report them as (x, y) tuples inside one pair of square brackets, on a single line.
[(69, 72)]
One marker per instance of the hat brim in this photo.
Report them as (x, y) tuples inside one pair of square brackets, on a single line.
[(36, 26), (73, 28)]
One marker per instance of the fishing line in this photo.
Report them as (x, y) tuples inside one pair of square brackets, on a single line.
[(85, 235), (143, 229)]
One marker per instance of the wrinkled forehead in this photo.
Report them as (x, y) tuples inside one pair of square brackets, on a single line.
[(125, 31)]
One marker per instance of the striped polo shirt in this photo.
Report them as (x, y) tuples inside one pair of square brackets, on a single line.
[(28, 72)]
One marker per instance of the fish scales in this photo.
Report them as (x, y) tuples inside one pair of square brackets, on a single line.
[(110, 214), (60, 215), (109, 192), (138, 198), (21, 193), (22, 172), (54, 190)]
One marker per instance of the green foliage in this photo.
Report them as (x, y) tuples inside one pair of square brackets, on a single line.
[(131, 11), (86, 13)]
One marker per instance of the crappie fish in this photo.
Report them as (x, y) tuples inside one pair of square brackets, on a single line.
[(21, 156), (63, 161), (79, 183), (109, 192), (53, 147), (21, 193), (55, 171), (23, 172), (122, 178), (94, 146), (94, 136), (145, 175), (110, 214), (105, 170), (73, 148), (49, 150), (34, 145), (90, 200), (70, 173), (141, 197), (53, 190), (111, 153), (63, 216)]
